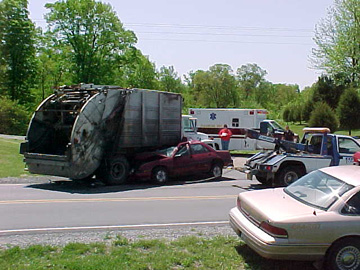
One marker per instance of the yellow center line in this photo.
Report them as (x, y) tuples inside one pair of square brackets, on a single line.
[(219, 197)]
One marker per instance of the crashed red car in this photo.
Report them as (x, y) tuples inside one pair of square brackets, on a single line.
[(187, 158)]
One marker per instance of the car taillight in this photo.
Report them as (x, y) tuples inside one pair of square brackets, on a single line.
[(274, 231)]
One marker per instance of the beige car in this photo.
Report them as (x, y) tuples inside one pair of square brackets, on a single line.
[(315, 218)]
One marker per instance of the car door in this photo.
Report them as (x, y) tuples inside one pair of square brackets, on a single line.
[(202, 157), (182, 162), (347, 147)]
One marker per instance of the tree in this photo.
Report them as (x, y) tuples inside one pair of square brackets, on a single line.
[(327, 91), (17, 50), (14, 118), (215, 88), (337, 38), (169, 80), (96, 36), (348, 110), (249, 77), (323, 116), (138, 71)]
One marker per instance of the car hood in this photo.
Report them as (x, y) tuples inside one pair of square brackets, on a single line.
[(149, 156), (273, 205)]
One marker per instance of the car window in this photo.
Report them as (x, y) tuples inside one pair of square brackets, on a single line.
[(183, 150), (348, 146), (318, 189), (198, 149), (352, 206)]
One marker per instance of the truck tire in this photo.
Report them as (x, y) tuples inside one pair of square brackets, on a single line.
[(288, 175), (160, 175), (117, 171), (262, 179), (344, 254)]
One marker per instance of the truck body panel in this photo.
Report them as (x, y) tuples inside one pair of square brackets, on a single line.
[(75, 129)]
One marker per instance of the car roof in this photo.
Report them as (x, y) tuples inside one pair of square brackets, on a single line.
[(347, 173)]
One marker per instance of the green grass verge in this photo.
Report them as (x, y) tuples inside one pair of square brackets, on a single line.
[(11, 162), (184, 253)]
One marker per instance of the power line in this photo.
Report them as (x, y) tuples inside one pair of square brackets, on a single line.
[(222, 34), (220, 27), (227, 41)]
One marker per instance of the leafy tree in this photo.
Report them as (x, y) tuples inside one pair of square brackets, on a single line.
[(286, 115), (14, 118), (17, 50), (327, 91), (169, 80), (249, 77), (95, 35), (348, 110), (337, 38), (215, 87), (323, 116), (139, 71)]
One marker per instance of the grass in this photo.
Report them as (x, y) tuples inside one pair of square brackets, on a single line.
[(221, 252), (11, 162)]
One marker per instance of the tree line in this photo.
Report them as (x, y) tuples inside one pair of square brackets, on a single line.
[(85, 42)]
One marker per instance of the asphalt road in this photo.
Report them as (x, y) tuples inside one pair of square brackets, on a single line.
[(65, 205)]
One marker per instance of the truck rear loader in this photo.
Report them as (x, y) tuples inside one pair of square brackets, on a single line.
[(87, 130)]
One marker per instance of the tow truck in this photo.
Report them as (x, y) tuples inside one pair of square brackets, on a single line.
[(289, 160)]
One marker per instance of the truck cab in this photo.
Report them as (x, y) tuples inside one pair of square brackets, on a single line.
[(189, 132)]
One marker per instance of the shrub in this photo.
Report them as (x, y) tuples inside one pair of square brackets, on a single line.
[(323, 116), (14, 118)]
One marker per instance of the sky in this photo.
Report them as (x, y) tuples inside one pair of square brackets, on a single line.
[(189, 35)]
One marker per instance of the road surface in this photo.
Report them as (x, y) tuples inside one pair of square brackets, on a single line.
[(67, 205)]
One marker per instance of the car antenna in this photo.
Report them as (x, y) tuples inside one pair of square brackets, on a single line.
[(314, 213)]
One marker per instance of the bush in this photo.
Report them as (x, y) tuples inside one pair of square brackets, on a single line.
[(14, 118), (323, 116)]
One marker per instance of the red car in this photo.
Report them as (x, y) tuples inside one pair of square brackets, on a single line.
[(357, 158), (188, 158)]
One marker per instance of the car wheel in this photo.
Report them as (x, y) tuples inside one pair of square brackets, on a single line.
[(344, 255), (288, 175), (160, 175), (216, 170), (117, 171)]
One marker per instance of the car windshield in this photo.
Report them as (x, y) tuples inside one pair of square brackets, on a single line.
[(318, 189), (167, 151)]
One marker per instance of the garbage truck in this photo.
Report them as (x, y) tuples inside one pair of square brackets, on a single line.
[(86, 130)]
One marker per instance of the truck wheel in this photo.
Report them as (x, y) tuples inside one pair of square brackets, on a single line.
[(262, 179), (117, 171), (288, 175), (216, 170), (344, 254), (160, 175)]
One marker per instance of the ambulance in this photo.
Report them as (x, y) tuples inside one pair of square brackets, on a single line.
[(210, 121)]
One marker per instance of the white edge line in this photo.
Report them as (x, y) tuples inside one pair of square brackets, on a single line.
[(112, 227)]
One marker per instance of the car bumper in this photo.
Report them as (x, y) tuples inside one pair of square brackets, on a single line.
[(270, 247)]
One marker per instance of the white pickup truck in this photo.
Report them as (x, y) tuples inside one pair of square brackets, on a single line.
[(290, 161)]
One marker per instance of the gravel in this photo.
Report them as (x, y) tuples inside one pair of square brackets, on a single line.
[(108, 236)]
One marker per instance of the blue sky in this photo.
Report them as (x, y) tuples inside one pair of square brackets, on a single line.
[(190, 35)]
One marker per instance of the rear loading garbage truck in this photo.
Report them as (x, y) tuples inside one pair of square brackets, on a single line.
[(87, 130)]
